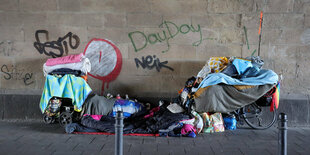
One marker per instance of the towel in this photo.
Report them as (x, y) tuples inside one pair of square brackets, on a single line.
[(68, 86)]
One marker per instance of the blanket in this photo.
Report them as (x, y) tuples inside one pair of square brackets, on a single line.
[(68, 86), (262, 78), (64, 60), (84, 65), (98, 105), (225, 98)]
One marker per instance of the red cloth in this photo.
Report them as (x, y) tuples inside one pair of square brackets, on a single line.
[(152, 112)]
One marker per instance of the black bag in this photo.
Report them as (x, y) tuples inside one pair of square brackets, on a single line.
[(266, 99)]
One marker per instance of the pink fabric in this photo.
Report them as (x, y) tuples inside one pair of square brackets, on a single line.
[(64, 60), (151, 114), (95, 117), (187, 128)]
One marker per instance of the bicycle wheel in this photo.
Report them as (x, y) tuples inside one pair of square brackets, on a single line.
[(259, 117)]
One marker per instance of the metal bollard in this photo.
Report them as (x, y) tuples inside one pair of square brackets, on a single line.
[(119, 133), (282, 136)]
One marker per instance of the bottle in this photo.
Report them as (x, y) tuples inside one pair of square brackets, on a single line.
[(109, 96), (118, 96)]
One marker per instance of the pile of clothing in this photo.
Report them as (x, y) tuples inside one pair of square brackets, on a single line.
[(99, 112), (223, 85), (235, 83), (101, 105), (66, 77)]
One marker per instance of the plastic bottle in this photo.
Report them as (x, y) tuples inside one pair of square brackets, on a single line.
[(118, 96), (230, 123), (109, 96)]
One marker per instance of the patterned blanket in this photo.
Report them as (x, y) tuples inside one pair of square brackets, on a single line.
[(68, 86)]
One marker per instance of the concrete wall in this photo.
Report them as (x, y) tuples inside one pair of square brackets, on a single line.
[(182, 34)]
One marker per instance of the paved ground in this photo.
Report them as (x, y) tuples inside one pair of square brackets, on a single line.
[(38, 138)]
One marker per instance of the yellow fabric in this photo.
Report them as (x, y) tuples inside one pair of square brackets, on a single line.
[(217, 64), (200, 91), (241, 87)]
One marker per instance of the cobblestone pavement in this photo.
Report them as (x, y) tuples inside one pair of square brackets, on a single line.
[(39, 138)]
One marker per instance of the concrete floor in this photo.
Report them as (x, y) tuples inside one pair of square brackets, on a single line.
[(34, 137)]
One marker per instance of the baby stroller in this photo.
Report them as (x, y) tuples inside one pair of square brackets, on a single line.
[(65, 88), (62, 98), (61, 110)]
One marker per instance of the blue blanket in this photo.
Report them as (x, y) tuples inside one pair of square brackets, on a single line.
[(68, 86), (262, 78)]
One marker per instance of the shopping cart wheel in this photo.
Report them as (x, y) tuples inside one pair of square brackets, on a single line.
[(47, 119), (65, 118)]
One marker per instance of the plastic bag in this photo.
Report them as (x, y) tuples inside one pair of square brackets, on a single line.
[(198, 121), (230, 123), (213, 122), (204, 72)]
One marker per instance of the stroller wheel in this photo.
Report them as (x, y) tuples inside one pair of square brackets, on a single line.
[(47, 119), (65, 118)]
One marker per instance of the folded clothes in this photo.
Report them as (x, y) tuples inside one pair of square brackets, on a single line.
[(64, 71), (84, 66), (64, 60)]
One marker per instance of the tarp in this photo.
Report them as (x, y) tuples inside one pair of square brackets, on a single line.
[(68, 86), (98, 105), (225, 98)]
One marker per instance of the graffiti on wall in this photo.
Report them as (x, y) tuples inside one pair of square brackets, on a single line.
[(13, 73), (7, 47), (169, 30), (55, 48), (151, 62), (247, 41), (106, 60)]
